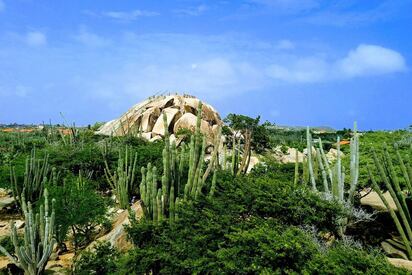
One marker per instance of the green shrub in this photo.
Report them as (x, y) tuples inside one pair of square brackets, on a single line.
[(267, 247), (100, 261), (74, 159), (79, 209), (243, 228), (343, 259)]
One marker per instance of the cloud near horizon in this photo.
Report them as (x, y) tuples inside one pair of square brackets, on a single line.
[(36, 38), (364, 60), (122, 15)]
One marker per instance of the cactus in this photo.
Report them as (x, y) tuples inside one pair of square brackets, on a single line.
[(36, 174), (296, 178), (32, 257), (334, 179), (401, 218), (247, 151), (234, 155), (122, 180), (160, 202), (213, 187), (172, 204), (310, 161)]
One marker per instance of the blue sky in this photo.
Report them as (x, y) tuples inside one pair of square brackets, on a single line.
[(295, 62)]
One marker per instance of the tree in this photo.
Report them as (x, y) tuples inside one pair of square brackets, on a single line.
[(243, 124), (79, 209)]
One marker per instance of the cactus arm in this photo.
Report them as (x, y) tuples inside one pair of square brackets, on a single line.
[(398, 225), (309, 156), (340, 183), (404, 171), (354, 164), (322, 169), (296, 177), (395, 182), (393, 194)]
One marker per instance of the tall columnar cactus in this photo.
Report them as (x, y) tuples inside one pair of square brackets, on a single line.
[(122, 180), (160, 199), (36, 174), (234, 155), (309, 156), (402, 218), (333, 179), (32, 257)]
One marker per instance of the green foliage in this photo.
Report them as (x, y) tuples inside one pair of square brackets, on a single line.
[(100, 261), (215, 226), (79, 209), (241, 123), (266, 247), (343, 259), (73, 159)]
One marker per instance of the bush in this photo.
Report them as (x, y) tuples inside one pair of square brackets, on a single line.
[(343, 259), (244, 228), (74, 159), (267, 247), (100, 261), (79, 209)]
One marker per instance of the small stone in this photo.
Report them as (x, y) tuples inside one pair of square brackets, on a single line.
[(54, 256), (19, 224), (6, 202), (4, 192)]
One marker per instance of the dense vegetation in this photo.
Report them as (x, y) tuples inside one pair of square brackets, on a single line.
[(262, 222)]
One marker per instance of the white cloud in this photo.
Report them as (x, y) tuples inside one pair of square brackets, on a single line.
[(123, 15), (21, 91), (371, 60), (192, 11), (2, 6), (36, 38), (90, 39), (304, 70), (365, 60), (275, 113), (285, 44), (288, 5)]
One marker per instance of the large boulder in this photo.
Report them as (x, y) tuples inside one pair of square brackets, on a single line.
[(117, 237), (159, 127), (188, 121), (146, 118), (373, 200), (288, 156)]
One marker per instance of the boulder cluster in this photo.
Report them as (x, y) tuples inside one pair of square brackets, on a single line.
[(146, 118)]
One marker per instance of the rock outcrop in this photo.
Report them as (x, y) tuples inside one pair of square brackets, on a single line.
[(145, 119)]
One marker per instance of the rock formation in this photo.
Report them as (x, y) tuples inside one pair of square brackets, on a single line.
[(145, 119)]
